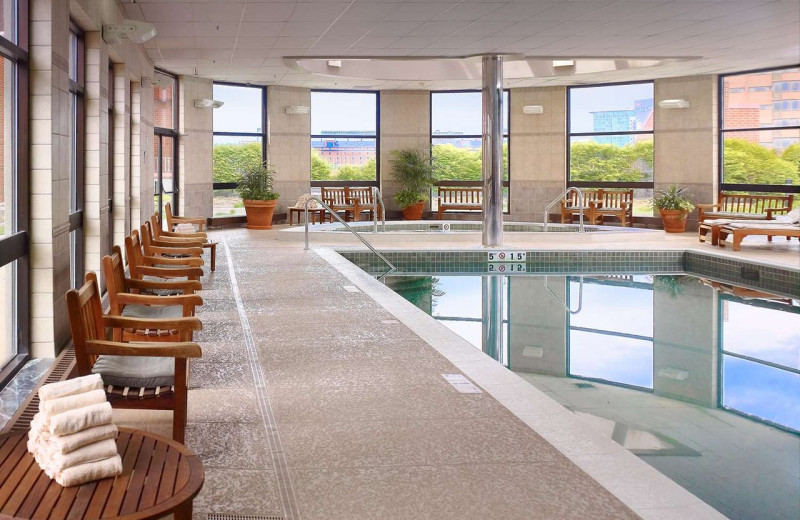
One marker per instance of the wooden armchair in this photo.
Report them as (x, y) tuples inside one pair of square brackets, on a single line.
[(160, 234), (174, 220), (168, 239), (141, 267), (173, 251), (117, 282), (137, 305), (121, 365)]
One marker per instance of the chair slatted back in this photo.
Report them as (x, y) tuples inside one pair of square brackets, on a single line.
[(133, 253), (85, 321), (169, 215), (114, 272), (362, 194), (616, 199), (337, 195), (743, 203), (461, 195)]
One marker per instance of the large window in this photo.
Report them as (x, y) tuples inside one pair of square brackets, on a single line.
[(76, 135), (239, 137), (165, 141), (344, 138), (456, 140), (760, 131), (13, 188), (610, 139)]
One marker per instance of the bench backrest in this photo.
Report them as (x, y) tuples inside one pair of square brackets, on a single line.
[(740, 203), (461, 195), (340, 196), (609, 198)]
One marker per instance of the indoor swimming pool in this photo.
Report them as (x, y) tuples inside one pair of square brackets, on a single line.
[(696, 375)]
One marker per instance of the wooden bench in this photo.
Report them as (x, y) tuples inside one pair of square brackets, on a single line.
[(743, 206), (598, 204), (351, 200), (459, 199)]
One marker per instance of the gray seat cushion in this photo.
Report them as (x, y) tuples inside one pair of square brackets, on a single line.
[(163, 292), (133, 371), (153, 311)]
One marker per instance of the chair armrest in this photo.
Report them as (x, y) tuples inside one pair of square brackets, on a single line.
[(187, 286), (772, 211), (169, 272), (176, 242), (124, 322), (174, 234), (176, 349), (188, 220), (192, 300), (182, 251), (709, 206), (178, 262)]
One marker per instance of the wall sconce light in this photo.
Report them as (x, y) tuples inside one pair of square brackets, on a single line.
[(673, 103), (563, 63), (297, 110), (532, 109), (133, 30), (207, 103)]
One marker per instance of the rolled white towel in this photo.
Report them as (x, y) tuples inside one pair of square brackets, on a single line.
[(71, 402), (64, 444), (89, 453), (90, 471), (79, 419), (74, 386)]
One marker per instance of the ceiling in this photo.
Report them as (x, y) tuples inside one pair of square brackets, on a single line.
[(247, 40)]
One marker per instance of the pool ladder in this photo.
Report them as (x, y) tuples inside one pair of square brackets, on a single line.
[(558, 199), (353, 231)]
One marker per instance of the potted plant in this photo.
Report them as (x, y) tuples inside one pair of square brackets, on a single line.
[(413, 169), (674, 207), (256, 186)]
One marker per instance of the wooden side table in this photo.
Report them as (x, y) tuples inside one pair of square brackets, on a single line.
[(319, 213), (159, 477)]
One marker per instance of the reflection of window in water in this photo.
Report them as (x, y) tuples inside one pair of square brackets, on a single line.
[(612, 337), (760, 342)]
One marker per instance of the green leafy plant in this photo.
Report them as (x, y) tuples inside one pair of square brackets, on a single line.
[(673, 198), (671, 284), (413, 169), (257, 182)]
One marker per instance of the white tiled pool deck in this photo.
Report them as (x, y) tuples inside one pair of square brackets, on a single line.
[(319, 395)]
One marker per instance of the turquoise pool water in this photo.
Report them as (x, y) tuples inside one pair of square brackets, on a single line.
[(699, 378)]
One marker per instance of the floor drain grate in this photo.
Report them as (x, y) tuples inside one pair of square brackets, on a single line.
[(218, 516)]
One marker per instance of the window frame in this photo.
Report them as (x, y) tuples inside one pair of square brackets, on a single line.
[(262, 135), (15, 246), (333, 184), (754, 188), (647, 185), (78, 125), (506, 136), (162, 132)]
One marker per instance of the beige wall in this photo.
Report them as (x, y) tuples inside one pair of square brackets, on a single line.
[(405, 123), (289, 143), (686, 139), (50, 154), (195, 147), (538, 151)]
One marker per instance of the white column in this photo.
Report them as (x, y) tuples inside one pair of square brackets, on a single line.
[(492, 150)]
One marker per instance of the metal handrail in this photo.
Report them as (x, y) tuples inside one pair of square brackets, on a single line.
[(346, 225), (557, 199), (378, 198), (580, 296)]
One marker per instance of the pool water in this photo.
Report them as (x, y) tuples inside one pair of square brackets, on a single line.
[(700, 379)]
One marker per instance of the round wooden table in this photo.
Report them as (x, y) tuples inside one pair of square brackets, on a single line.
[(159, 477)]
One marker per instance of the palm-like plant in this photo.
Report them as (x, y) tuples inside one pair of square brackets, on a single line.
[(257, 182), (413, 169)]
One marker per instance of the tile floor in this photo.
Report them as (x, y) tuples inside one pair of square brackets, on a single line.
[(312, 401)]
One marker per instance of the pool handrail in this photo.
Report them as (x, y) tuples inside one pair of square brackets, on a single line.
[(347, 226), (580, 295), (558, 199), (377, 198)]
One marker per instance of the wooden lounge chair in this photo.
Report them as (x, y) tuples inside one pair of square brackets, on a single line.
[(736, 231), (165, 365), (137, 305), (174, 220), (141, 267)]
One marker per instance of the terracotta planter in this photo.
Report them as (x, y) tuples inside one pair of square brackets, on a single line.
[(259, 213), (674, 220), (414, 211)]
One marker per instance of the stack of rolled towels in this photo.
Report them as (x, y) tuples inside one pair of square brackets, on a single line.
[(73, 438)]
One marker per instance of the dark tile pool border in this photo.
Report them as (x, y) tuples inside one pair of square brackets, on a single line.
[(775, 279)]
